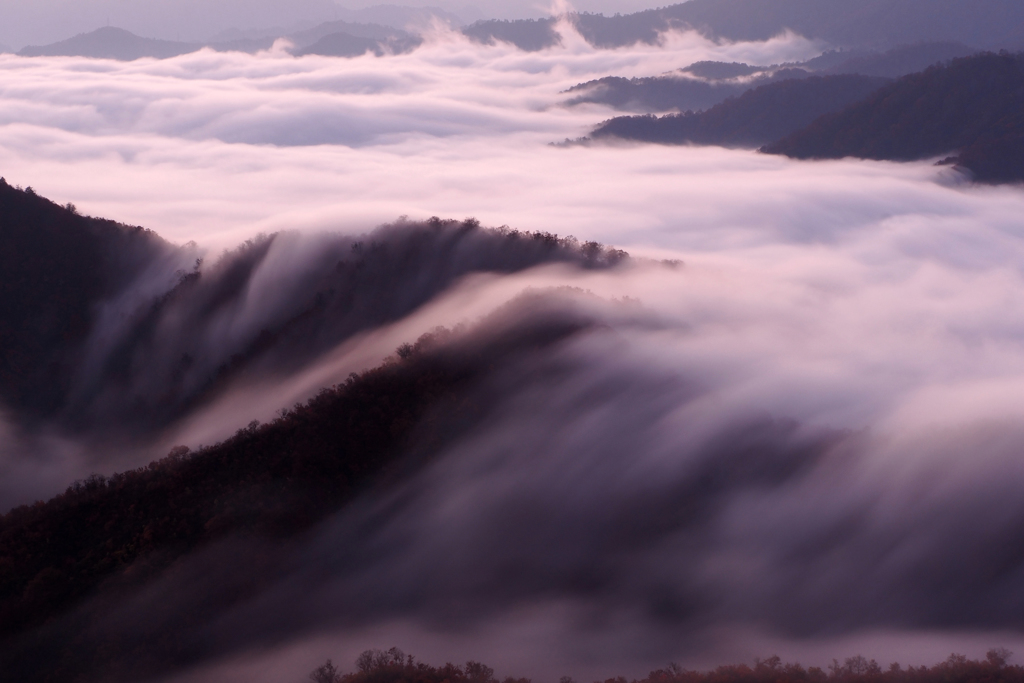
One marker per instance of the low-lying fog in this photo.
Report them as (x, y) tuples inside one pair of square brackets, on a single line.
[(867, 316)]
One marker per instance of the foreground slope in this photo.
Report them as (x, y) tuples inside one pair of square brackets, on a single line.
[(66, 565)]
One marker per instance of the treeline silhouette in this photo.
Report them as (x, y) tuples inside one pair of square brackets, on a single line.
[(755, 117), (335, 38), (665, 93), (57, 266), (67, 563), (112, 331), (972, 107), (394, 666)]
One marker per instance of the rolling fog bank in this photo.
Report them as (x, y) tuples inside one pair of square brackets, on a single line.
[(789, 422)]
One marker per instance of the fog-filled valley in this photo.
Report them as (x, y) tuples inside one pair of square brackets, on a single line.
[(308, 353)]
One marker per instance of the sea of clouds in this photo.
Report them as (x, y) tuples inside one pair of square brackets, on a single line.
[(860, 325)]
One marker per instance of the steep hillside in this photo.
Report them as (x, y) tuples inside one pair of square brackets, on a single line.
[(116, 332), (58, 267), (110, 42), (67, 564)]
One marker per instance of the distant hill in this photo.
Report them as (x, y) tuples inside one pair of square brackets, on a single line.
[(111, 43), (675, 91), (346, 45), (874, 24), (526, 34), (705, 84), (899, 61), (338, 38), (972, 108), (376, 32), (757, 116), (344, 39)]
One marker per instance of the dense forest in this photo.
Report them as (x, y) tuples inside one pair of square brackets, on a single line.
[(394, 666), (66, 563), (114, 330), (972, 108), (752, 119)]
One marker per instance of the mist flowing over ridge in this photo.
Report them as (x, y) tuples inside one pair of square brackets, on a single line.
[(277, 424)]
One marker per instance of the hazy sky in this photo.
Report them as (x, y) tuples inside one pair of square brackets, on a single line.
[(46, 21)]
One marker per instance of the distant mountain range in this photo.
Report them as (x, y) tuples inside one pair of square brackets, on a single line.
[(971, 108), (705, 84), (337, 38), (867, 25), (876, 24), (757, 116)]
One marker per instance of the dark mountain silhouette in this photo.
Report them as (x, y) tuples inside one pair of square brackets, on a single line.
[(673, 92), (973, 107), (376, 32), (58, 267), (875, 24), (705, 84), (870, 23), (338, 38), (347, 45), (111, 43), (720, 70), (526, 34), (899, 61), (113, 329), (755, 117)]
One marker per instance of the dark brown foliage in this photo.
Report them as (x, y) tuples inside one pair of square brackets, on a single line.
[(393, 666)]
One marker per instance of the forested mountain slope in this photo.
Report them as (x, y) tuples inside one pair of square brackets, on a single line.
[(972, 108), (755, 117), (705, 84), (115, 331), (66, 565)]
